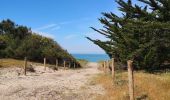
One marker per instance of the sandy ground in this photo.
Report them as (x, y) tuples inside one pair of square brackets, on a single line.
[(49, 85)]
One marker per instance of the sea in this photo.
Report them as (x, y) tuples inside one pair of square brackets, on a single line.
[(92, 57)]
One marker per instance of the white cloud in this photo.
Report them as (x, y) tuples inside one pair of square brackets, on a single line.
[(45, 27), (48, 27)]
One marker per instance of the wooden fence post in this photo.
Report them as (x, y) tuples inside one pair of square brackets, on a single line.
[(25, 66), (102, 66), (57, 64), (105, 67), (74, 65), (64, 64), (113, 68), (44, 63), (131, 80), (69, 64)]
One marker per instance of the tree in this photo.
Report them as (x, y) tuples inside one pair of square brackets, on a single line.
[(17, 41), (140, 35)]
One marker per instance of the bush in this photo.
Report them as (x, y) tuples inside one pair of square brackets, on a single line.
[(17, 41), (30, 68)]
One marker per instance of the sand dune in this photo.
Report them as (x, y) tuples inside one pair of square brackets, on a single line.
[(49, 85)]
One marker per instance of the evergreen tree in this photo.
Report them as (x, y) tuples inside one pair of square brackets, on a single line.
[(140, 35)]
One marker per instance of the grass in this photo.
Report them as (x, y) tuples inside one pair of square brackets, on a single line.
[(147, 86), (7, 62), (82, 62), (11, 63), (17, 63)]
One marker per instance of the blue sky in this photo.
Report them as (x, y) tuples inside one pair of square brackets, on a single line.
[(66, 21)]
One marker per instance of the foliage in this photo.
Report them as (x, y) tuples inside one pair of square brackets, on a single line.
[(141, 34), (18, 41)]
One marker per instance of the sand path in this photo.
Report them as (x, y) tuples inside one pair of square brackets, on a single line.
[(50, 85)]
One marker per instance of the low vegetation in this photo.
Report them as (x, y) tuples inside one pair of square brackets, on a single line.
[(14, 63), (30, 68), (147, 86), (5, 63), (82, 62), (17, 42)]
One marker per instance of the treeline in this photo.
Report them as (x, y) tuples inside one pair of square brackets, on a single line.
[(141, 34), (17, 41)]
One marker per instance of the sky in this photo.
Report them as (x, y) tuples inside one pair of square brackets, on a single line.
[(66, 21)]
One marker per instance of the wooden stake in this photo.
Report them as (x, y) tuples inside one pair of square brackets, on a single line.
[(44, 63), (102, 66), (113, 68), (64, 64), (69, 64), (131, 80), (25, 66), (57, 64), (105, 67), (74, 65)]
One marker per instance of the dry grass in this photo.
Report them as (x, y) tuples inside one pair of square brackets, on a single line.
[(16, 63), (82, 62), (100, 65), (11, 63), (147, 86), (157, 87)]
